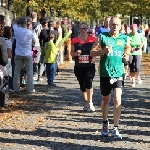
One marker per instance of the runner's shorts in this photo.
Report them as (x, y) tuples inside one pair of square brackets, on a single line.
[(106, 86), (85, 76), (135, 63), (126, 63)]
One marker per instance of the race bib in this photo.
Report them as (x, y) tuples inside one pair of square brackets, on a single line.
[(84, 58)]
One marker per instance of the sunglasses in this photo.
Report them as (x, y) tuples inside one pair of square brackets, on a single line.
[(84, 28)]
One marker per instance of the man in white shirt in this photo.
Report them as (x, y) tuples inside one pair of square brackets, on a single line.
[(23, 53)]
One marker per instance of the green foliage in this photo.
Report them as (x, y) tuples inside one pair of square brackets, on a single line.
[(86, 9)]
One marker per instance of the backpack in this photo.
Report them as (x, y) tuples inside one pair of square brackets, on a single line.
[(37, 27)]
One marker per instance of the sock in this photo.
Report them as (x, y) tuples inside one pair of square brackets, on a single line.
[(115, 127), (105, 122)]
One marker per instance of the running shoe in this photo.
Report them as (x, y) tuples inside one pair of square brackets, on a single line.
[(85, 108), (116, 134), (139, 80), (133, 84), (88, 107), (91, 107), (105, 131)]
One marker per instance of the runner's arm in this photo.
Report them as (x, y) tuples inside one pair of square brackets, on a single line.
[(96, 49), (142, 43), (73, 53), (127, 49)]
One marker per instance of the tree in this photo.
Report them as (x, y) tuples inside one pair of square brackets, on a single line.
[(83, 9)]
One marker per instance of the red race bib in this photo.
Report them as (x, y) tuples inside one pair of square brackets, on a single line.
[(84, 58)]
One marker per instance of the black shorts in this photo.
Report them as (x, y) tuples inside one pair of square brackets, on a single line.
[(85, 76), (106, 87)]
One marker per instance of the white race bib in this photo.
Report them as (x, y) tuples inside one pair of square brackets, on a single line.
[(84, 58)]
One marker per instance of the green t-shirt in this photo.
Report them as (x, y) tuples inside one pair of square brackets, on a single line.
[(136, 41), (111, 65)]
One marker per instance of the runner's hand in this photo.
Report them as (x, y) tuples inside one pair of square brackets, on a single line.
[(78, 52), (107, 50), (93, 60), (136, 49), (126, 57)]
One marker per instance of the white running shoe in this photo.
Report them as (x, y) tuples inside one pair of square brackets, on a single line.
[(116, 134), (88, 107), (139, 80), (133, 84), (91, 107)]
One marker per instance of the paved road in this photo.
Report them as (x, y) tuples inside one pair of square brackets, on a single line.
[(53, 119)]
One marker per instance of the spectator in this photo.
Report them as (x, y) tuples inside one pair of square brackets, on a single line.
[(50, 59), (36, 27), (7, 37), (75, 29), (105, 27), (3, 62), (59, 55), (65, 30), (3, 45), (43, 39), (53, 30), (147, 30), (23, 54)]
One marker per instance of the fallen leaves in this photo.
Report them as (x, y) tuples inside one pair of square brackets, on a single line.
[(146, 64)]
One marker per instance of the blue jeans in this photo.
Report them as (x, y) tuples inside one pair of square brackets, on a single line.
[(50, 72)]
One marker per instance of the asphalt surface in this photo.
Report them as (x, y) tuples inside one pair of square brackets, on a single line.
[(53, 118)]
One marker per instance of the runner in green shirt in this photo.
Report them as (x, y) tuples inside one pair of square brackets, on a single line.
[(137, 42), (115, 47)]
